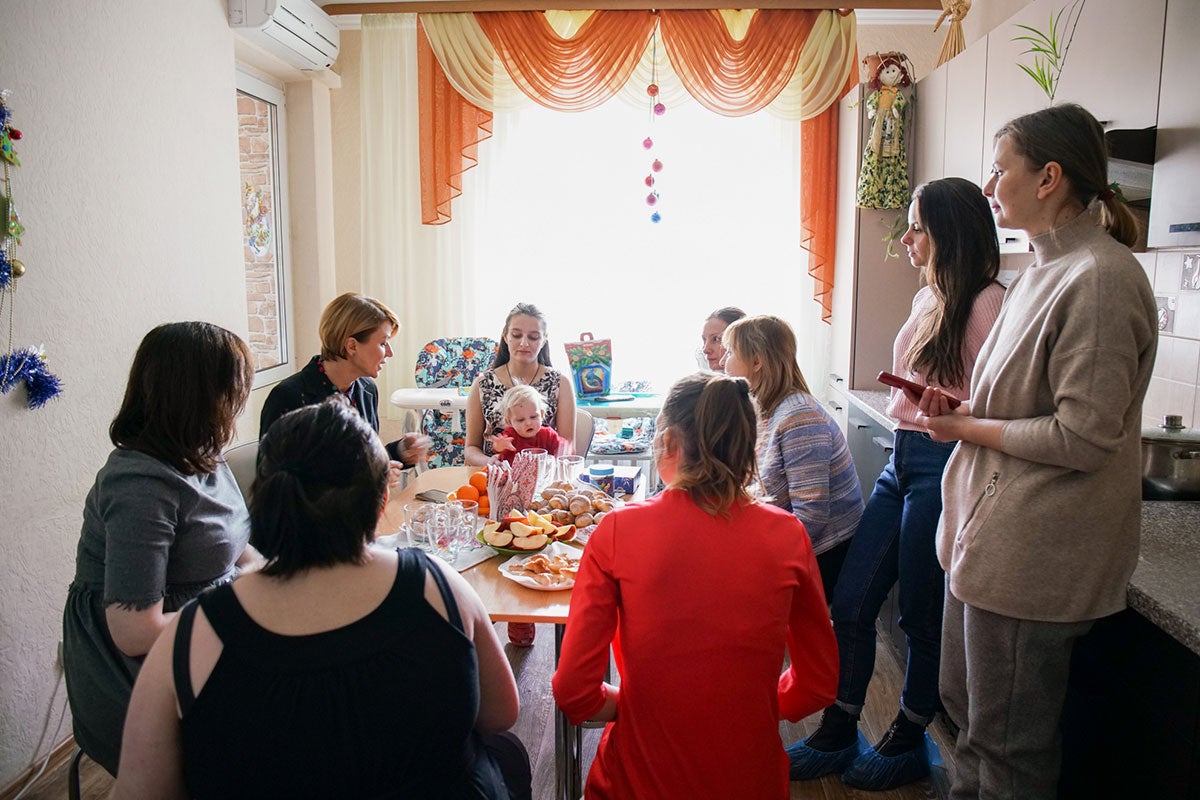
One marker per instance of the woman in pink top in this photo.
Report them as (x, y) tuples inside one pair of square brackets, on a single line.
[(951, 238), (705, 587)]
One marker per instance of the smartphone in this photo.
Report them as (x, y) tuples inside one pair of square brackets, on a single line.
[(888, 379), (433, 496)]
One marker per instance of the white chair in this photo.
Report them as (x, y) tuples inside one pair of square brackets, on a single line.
[(243, 460)]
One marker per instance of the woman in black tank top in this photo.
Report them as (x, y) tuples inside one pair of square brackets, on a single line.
[(339, 670)]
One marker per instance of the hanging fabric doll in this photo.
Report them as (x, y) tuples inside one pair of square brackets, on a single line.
[(883, 178)]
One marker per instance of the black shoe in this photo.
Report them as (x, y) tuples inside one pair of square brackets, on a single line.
[(902, 736), (837, 731)]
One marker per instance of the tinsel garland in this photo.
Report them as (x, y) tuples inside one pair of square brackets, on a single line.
[(28, 366)]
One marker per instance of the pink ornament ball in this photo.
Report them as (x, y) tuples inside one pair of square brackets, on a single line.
[(656, 166), (659, 109), (649, 180), (652, 90), (652, 198), (647, 143)]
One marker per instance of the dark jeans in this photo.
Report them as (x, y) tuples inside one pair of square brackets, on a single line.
[(895, 540)]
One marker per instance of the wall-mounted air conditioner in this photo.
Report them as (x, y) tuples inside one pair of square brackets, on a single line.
[(297, 31)]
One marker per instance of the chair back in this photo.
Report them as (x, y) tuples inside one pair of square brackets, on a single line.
[(585, 429), (243, 460), (445, 363)]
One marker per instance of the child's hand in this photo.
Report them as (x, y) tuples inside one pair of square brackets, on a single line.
[(500, 443)]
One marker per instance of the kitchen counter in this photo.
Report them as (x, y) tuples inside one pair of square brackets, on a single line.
[(1165, 587)]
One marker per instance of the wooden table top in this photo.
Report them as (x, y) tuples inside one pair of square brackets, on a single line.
[(505, 600)]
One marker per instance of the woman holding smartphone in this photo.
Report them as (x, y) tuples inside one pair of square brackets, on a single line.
[(1042, 497), (951, 238)]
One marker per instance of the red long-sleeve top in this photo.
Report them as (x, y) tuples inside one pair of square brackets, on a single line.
[(704, 607), (546, 438)]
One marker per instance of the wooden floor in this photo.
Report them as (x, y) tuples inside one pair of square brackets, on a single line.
[(535, 727)]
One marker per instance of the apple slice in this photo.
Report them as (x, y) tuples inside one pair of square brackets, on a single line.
[(514, 517), (535, 542), (498, 538), (544, 524), (564, 533), (491, 526), (520, 529)]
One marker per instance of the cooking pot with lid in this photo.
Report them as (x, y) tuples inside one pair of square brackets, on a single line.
[(1171, 461)]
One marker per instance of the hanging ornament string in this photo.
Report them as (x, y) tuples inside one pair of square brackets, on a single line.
[(657, 109), (27, 365)]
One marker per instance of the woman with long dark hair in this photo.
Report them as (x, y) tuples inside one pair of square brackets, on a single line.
[(951, 238), (706, 586)]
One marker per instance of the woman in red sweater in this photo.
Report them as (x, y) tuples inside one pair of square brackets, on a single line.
[(705, 586)]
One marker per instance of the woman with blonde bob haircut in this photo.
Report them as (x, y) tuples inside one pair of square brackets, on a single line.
[(803, 461), (700, 630), (356, 333)]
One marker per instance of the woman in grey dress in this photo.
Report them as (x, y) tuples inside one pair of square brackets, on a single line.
[(163, 521)]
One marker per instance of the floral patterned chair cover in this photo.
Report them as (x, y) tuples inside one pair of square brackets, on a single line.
[(445, 363)]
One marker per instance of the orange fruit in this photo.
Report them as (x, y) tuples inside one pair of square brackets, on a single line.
[(452, 496), (479, 481), (467, 492), (484, 506)]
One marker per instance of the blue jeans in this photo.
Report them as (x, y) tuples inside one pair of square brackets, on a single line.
[(895, 540)]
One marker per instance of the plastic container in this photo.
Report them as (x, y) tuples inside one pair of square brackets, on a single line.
[(601, 476)]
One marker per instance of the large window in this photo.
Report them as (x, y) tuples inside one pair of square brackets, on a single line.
[(262, 199), (565, 225)]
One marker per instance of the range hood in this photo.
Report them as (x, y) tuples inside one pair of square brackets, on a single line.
[(1131, 161)]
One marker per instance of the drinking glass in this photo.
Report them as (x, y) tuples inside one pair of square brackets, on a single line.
[(570, 468), (468, 516), (545, 463), (444, 528), (417, 515)]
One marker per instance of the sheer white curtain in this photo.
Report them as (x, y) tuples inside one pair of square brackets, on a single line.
[(555, 215), (421, 271)]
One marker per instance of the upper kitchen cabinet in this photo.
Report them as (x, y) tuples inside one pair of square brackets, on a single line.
[(929, 126), (1175, 201), (1112, 67), (966, 138)]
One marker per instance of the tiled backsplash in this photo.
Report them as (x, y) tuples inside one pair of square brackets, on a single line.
[(1175, 276)]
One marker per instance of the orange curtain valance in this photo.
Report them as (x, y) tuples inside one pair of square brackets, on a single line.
[(728, 74)]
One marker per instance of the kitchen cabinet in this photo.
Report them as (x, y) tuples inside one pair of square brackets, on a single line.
[(872, 292), (1175, 195), (966, 140), (1112, 67), (929, 126)]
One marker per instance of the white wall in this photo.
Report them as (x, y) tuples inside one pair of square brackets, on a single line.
[(128, 191)]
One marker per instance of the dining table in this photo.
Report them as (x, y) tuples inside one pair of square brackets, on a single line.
[(507, 601)]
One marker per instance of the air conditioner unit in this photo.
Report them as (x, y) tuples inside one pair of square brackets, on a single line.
[(297, 31)]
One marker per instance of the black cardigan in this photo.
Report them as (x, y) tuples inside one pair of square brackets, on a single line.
[(309, 386)]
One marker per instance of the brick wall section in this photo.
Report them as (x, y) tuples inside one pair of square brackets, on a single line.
[(262, 287)]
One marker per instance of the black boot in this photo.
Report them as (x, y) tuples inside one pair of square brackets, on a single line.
[(831, 749), (902, 736), (837, 731)]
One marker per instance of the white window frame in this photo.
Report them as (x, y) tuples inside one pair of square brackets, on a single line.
[(260, 89)]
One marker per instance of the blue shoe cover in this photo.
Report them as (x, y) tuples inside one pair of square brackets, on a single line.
[(807, 763), (874, 772)]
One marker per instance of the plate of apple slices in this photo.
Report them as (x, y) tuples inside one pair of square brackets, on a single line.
[(551, 570), (523, 534)]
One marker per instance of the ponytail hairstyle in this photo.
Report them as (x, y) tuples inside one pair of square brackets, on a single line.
[(320, 484), (773, 342), (1070, 136), (522, 310), (964, 259), (713, 424)]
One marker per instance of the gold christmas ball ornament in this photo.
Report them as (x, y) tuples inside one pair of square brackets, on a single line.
[(18, 268)]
